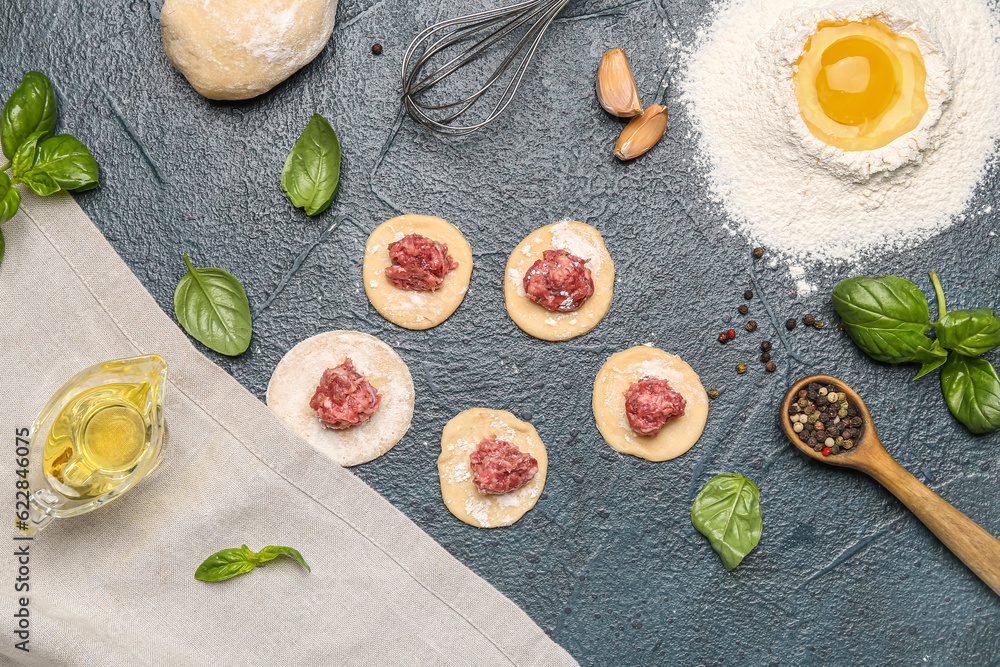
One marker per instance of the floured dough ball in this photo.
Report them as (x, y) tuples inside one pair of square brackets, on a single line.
[(461, 437), (298, 374), (584, 242), (238, 49), (619, 372), (414, 309)]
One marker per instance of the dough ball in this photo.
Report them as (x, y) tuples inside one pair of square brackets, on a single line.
[(629, 366), (459, 439), (581, 240), (297, 375), (416, 310), (238, 49)]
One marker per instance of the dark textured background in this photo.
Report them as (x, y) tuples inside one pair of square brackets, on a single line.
[(608, 562)]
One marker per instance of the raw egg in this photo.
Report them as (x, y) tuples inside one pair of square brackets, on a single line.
[(859, 85)]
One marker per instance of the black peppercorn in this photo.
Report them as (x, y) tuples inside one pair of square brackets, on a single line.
[(723, 338), (748, 295), (751, 326), (743, 309), (841, 326), (765, 346), (377, 49), (771, 367), (808, 320), (758, 253), (790, 323), (765, 357)]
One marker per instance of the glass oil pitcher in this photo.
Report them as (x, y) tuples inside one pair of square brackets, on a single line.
[(99, 435)]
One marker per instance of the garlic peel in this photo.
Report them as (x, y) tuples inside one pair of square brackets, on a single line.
[(642, 133), (616, 89)]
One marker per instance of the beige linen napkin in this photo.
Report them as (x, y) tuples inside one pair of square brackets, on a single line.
[(117, 586)]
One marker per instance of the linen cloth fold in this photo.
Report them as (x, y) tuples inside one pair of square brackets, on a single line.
[(116, 586)]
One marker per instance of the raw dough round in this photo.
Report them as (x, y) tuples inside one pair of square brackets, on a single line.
[(459, 439), (581, 240), (416, 310), (238, 49), (617, 375), (297, 375)]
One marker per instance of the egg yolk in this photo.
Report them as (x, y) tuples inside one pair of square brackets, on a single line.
[(860, 86)]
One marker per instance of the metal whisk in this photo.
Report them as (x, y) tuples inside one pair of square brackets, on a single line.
[(486, 29)]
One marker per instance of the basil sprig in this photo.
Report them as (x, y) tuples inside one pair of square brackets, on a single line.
[(230, 563), (888, 318), (212, 306), (44, 163), (312, 170), (727, 512)]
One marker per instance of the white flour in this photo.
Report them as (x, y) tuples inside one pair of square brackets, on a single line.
[(797, 196)]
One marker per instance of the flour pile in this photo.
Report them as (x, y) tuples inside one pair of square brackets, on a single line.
[(791, 192)]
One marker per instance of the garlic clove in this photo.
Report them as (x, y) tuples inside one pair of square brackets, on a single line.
[(616, 89), (642, 133)]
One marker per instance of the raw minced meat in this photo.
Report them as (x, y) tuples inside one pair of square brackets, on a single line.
[(499, 466), (559, 281), (419, 264), (650, 404), (344, 397)]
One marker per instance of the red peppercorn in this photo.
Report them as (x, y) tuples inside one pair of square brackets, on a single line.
[(826, 451), (731, 334)]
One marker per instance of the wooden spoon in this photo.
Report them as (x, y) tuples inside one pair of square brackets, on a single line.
[(966, 539)]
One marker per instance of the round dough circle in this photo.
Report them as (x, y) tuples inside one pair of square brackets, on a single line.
[(238, 49), (583, 241), (459, 439), (416, 310), (617, 375), (297, 375)]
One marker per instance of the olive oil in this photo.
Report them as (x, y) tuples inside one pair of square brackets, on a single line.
[(98, 439)]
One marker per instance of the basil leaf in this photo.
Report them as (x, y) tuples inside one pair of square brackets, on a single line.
[(727, 512), (67, 162), (969, 332), (10, 198), (270, 553), (223, 565), (895, 346), (212, 307), (31, 108), (881, 303), (972, 389), (312, 170), (935, 357), (24, 157)]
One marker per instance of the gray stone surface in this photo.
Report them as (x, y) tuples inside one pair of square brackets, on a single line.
[(608, 562)]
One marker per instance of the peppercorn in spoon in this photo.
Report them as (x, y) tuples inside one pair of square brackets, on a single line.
[(975, 547)]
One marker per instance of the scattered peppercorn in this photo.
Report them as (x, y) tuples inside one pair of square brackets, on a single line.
[(765, 346), (770, 367), (790, 323), (819, 324), (377, 49), (758, 253), (751, 325), (748, 295), (730, 334), (741, 368), (808, 320), (723, 338), (841, 326), (713, 393), (765, 357), (743, 309)]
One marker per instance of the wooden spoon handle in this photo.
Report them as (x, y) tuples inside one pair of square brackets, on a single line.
[(966, 538)]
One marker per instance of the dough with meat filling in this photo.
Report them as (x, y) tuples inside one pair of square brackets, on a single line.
[(629, 366), (459, 439), (579, 239)]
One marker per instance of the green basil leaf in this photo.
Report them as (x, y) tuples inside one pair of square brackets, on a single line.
[(935, 357), (10, 198), (969, 332), (727, 512), (881, 303), (212, 307), (270, 553), (31, 108), (972, 390), (895, 346), (223, 565), (25, 156), (312, 170), (67, 161)]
